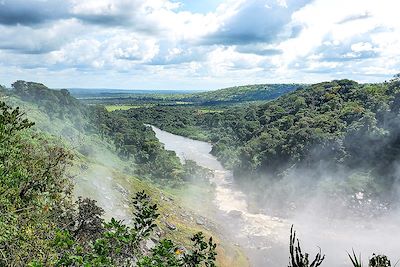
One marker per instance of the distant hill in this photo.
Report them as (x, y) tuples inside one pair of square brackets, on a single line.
[(226, 96), (257, 92), (102, 92)]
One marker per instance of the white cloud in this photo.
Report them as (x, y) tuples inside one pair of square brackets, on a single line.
[(242, 41), (350, 28)]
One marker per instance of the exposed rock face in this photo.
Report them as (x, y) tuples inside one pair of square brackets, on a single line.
[(170, 226), (149, 245), (199, 222)]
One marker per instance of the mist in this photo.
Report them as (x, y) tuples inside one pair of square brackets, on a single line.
[(335, 211)]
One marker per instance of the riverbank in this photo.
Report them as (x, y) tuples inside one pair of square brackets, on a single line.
[(262, 237), (181, 216)]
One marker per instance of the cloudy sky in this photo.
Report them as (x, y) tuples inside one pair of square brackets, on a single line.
[(197, 44)]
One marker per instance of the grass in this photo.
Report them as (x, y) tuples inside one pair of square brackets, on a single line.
[(181, 206), (111, 108), (114, 107), (103, 166), (178, 206)]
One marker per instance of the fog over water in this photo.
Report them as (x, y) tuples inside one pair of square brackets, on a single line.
[(265, 238)]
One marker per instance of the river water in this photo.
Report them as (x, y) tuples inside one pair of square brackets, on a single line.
[(264, 238)]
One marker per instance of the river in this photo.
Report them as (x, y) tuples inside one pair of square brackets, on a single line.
[(264, 238)]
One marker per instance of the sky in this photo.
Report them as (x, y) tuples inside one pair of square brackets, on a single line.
[(197, 44)]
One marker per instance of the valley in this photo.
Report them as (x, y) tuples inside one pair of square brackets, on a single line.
[(212, 167), (182, 133)]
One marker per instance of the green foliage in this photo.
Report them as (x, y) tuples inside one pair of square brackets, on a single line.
[(379, 261), (134, 142), (121, 245), (356, 261), (203, 252), (194, 172), (297, 258), (341, 125), (167, 254), (11, 120), (241, 94), (34, 190), (39, 224), (144, 216), (375, 261), (87, 223), (226, 96), (56, 103)]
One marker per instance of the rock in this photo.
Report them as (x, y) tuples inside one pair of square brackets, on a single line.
[(184, 215), (199, 222), (167, 199), (149, 244), (235, 214), (158, 232), (170, 226)]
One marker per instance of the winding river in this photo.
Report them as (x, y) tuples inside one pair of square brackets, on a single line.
[(262, 237), (265, 238)]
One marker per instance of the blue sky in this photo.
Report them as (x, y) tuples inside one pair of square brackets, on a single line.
[(200, 6), (193, 44)]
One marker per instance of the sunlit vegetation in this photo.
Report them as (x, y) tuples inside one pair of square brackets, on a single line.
[(338, 125), (240, 94), (341, 124), (134, 142), (111, 108), (228, 96), (40, 225)]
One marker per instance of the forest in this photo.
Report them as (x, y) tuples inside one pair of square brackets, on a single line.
[(340, 125), (42, 224), (227, 96)]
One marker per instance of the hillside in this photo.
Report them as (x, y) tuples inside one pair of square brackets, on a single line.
[(101, 169), (240, 94), (227, 96), (339, 133)]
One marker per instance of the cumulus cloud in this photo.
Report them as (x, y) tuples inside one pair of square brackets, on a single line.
[(120, 52), (241, 41), (31, 12), (39, 40), (344, 42), (257, 21)]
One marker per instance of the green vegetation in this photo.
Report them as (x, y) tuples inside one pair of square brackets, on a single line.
[(297, 258), (338, 126), (94, 152), (228, 96), (41, 226), (240, 94), (134, 142), (111, 108)]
